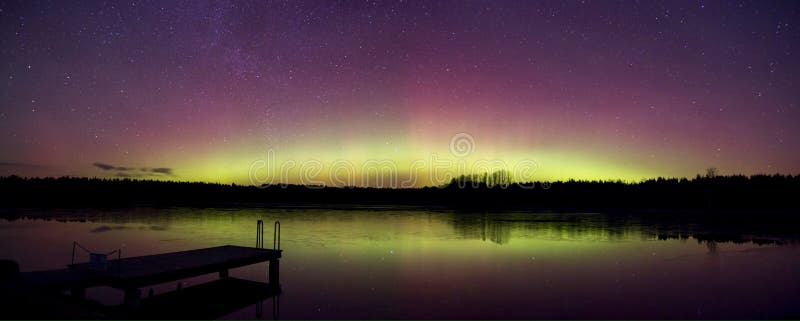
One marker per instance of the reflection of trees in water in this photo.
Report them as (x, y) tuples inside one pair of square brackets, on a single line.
[(145, 215), (482, 227), (712, 247), (158, 219), (706, 229), (497, 227)]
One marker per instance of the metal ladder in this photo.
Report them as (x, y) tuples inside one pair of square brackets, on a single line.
[(276, 235)]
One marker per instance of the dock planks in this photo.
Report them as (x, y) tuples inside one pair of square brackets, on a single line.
[(146, 270)]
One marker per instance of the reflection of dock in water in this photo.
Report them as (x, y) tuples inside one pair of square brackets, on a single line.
[(204, 301), (210, 300)]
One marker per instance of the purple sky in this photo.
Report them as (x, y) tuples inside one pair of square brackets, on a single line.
[(587, 89)]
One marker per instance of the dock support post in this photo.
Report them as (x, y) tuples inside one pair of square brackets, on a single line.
[(132, 297), (223, 274), (276, 307), (274, 273)]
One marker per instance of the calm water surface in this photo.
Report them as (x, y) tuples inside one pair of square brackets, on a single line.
[(418, 264)]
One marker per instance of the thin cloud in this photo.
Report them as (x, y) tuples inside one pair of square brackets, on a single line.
[(162, 170), (105, 167), (21, 165), (127, 172)]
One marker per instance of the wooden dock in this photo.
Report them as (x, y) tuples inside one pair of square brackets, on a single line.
[(131, 274)]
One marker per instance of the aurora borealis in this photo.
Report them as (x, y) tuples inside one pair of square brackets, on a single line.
[(200, 90)]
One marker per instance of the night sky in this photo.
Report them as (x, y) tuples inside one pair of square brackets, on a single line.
[(200, 90)]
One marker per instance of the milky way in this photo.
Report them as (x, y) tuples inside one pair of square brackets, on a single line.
[(587, 90)]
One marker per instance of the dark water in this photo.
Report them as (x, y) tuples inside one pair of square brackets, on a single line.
[(417, 264)]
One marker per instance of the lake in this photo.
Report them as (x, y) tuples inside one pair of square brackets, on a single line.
[(404, 263)]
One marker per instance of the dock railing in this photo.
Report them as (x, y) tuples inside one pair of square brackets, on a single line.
[(97, 261)]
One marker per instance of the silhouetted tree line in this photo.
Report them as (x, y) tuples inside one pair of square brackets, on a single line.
[(500, 179), (701, 192)]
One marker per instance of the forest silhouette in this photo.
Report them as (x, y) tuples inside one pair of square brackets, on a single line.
[(489, 191)]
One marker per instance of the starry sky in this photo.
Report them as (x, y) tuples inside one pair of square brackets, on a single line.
[(201, 90)]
